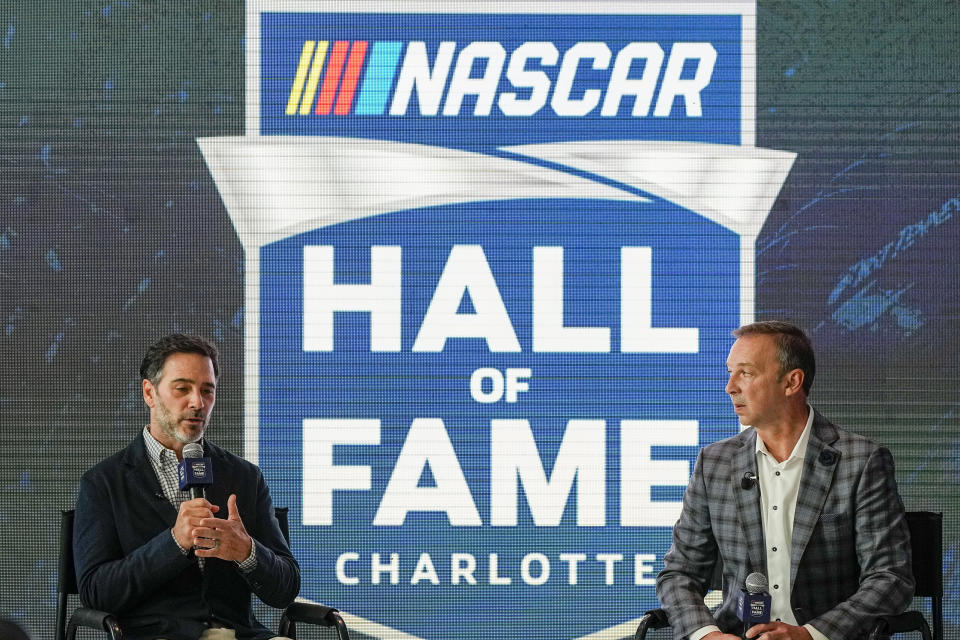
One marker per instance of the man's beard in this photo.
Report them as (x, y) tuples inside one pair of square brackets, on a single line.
[(169, 424)]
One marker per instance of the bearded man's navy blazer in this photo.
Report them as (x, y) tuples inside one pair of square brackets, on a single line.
[(128, 563), (850, 560)]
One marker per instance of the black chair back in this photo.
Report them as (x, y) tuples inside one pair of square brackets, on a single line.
[(67, 624), (66, 572), (926, 541), (308, 612)]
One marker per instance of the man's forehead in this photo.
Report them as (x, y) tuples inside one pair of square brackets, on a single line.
[(752, 350), (187, 367), (205, 383)]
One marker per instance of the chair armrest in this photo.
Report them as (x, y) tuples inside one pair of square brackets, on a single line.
[(899, 623), (312, 613), (653, 619), (94, 619)]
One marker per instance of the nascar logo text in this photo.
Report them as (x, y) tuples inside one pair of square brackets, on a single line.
[(521, 81)]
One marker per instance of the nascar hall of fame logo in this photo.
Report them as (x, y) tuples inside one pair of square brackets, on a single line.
[(493, 259)]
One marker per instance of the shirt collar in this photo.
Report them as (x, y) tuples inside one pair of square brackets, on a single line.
[(155, 450), (800, 449)]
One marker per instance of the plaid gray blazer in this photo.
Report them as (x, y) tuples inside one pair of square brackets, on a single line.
[(850, 559)]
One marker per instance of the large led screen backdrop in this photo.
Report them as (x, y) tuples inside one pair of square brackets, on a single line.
[(473, 269)]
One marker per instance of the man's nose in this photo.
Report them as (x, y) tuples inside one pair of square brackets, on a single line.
[(731, 388), (196, 400)]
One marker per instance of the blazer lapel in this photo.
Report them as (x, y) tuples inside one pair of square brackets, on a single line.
[(819, 464), (143, 480), (748, 500), (222, 477)]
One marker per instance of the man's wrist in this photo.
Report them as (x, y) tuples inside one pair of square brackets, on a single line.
[(250, 563), (185, 552)]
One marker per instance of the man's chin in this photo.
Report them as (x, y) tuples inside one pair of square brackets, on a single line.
[(186, 436)]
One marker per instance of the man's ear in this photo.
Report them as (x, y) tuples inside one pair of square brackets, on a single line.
[(793, 382), (149, 393)]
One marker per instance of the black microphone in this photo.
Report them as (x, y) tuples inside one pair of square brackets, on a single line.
[(753, 605), (748, 481), (195, 471)]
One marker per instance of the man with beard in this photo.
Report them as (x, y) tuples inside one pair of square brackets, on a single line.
[(169, 566)]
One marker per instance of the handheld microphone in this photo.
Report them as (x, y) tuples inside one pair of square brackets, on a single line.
[(753, 605), (194, 471)]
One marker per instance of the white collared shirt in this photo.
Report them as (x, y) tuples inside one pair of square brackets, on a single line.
[(779, 488)]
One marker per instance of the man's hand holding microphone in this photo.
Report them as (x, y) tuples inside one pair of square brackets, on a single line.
[(753, 609), (196, 527)]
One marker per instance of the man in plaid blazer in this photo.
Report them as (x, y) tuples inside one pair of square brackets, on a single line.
[(793, 497)]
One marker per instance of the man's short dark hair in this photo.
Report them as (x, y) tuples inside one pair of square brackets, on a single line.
[(159, 351), (794, 350)]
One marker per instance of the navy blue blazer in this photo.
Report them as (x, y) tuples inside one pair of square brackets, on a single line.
[(128, 563)]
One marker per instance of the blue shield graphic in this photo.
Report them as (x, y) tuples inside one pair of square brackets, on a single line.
[(491, 278)]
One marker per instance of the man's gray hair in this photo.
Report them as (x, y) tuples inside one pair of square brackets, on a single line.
[(159, 351)]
